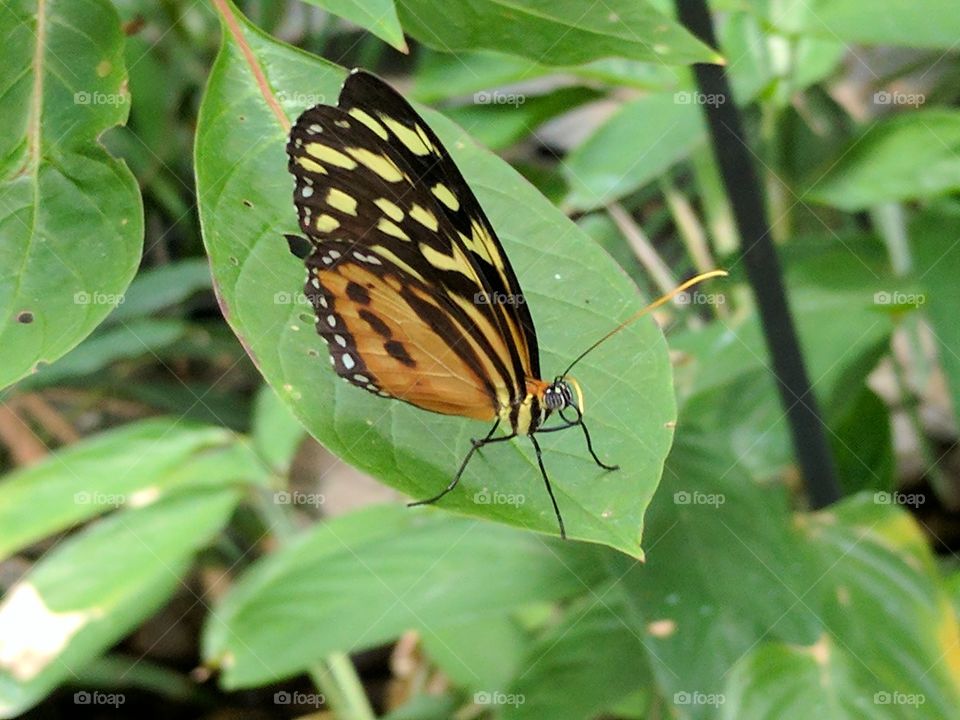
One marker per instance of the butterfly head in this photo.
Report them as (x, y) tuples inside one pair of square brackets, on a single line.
[(562, 393)]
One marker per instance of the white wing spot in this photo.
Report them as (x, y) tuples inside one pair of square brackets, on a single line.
[(348, 362)]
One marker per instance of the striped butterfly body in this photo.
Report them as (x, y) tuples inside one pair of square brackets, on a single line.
[(412, 291)]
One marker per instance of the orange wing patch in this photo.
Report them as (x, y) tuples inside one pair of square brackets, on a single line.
[(379, 341)]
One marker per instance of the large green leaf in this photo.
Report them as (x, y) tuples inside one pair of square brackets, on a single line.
[(641, 141), (733, 569), (135, 465), (363, 578), (377, 16), (913, 23), (588, 663), (95, 587), (574, 289), (554, 32), (71, 222), (904, 157), (936, 242)]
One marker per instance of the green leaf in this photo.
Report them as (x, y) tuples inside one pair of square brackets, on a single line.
[(276, 433), (440, 76), (935, 235), (637, 144), (95, 587), (585, 665), (554, 32), (71, 221), (903, 157), (161, 287), (783, 682), (377, 16), (481, 654), (135, 465), (732, 568), (374, 573), (574, 289), (498, 119), (108, 344), (912, 23)]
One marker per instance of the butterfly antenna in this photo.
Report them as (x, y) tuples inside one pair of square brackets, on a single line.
[(649, 308)]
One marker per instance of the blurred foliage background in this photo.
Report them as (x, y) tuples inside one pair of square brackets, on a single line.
[(174, 543)]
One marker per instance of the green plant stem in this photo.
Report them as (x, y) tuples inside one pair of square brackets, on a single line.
[(335, 675), (688, 225)]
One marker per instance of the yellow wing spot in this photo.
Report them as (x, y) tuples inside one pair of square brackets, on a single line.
[(326, 154), (442, 261), (390, 256), (380, 164), (443, 194), (311, 165), (391, 228), (339, 200), (369, 122), (424, 217), (408, 137), (390, 209), (326, 223), (482, 241)]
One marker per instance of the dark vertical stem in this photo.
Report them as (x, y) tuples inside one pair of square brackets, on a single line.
[(763, 267)]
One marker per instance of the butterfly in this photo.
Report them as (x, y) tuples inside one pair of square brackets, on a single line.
[(411, 288)]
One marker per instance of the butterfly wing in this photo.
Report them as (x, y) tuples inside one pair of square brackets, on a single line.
[(368, 98), (364, 205)]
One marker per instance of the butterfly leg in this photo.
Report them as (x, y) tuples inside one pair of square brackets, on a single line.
[(586, 434), (475, 445), (546, 481)]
